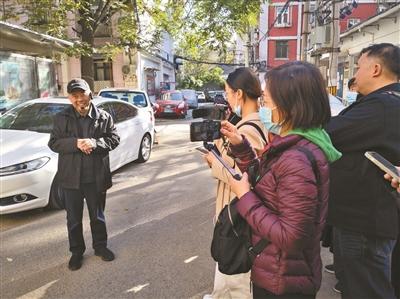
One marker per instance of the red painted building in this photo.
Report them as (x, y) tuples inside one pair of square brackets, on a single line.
[(285, 34), (283, 41), (360, 13)]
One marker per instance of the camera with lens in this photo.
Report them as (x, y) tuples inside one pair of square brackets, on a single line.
[(209, 129)]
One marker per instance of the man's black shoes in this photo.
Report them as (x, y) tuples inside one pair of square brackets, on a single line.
[(75, 262), (105, 254)]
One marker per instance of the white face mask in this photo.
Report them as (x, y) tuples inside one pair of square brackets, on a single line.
[(237, 109), (265, 114), (351, 96)]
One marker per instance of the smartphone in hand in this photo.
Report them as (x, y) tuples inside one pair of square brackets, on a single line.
[(231, 171), (383, 164), (202, 150)]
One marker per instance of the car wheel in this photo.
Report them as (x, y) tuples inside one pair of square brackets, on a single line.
[(145, 149), (55, 198)]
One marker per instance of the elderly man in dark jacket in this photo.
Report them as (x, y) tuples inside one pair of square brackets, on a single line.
[(361, 206), (83, 135)]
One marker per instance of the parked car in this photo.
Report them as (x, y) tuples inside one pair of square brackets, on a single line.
[(28, 166), (190, 97), (336, 104), (155, 107), (220, 99), (216, 94), (201, 97), (172, 103), (136, 97), (8, 104)]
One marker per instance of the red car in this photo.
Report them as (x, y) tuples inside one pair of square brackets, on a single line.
[(172, 103)]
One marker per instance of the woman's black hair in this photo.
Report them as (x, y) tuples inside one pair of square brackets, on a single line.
[(388, 54), (245, 79), (351, 82), (298, 90)]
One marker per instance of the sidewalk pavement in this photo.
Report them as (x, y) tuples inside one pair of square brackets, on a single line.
[(328, 279)]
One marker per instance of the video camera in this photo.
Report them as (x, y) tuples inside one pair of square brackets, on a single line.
[(208, 130)]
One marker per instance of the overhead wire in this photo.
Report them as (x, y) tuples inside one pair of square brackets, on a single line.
[(283, 10)]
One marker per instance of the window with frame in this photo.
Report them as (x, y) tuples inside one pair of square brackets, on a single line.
[(282, 16), (150, 85), (123, 111), (311, 14), (103, 30), (102, 71), (37, 117), (352, 22), (107, 107), (282, 49)]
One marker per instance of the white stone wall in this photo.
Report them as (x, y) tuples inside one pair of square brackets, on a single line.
[(384, 30), (388, 32)]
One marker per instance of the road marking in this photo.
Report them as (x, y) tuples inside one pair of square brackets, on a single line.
[(38, 293), (137, 288), (191, 259)]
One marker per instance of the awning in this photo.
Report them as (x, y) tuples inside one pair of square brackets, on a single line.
[(18, 39)]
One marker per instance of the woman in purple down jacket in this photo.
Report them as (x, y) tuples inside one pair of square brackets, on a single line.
[(288, 204)]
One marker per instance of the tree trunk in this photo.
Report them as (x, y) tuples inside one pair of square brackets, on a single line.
[(87, 70)]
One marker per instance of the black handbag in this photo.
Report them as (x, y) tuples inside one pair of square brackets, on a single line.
[(231, 244)]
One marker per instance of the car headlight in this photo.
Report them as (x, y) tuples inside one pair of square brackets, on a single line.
[(181, 105), (24, 167)]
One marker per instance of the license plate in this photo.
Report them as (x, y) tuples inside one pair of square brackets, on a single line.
[(168, 110)]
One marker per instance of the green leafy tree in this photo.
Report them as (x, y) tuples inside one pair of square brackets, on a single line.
[(207, 36), (195, 24), (7, 10), (198, 76), (140, 24), (211, 24)]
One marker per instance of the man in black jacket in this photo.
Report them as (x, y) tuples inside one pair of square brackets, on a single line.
[(83, 135), (361, 206)]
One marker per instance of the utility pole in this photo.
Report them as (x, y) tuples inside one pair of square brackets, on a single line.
[(333, 66), (247, 53), (315, 59), (305, 31)]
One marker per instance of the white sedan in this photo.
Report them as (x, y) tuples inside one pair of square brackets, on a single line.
[(28, 166)]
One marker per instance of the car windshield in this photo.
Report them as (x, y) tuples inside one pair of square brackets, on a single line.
[(135, 98), (173, 96), (189, 94), (36, 117)]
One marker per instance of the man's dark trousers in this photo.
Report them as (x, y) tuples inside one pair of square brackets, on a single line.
[(95, 202), (365, 262), (396, 268)]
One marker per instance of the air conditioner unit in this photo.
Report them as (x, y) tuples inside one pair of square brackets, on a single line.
[(320, 36), (128, 69)]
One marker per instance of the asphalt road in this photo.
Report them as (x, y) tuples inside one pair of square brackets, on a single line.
[(159, 219)]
